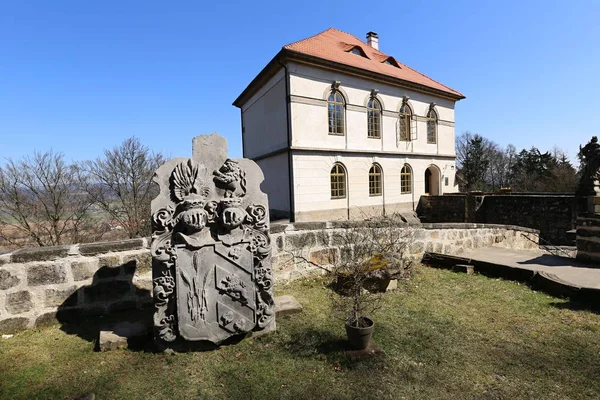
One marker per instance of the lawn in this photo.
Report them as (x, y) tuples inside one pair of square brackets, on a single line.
[(446, 336)]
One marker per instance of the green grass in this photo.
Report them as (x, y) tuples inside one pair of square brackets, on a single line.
[(446, 336)]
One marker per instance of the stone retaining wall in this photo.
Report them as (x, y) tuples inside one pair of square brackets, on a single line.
[(314, 241), (41, 286), (67, 283), (552, 214)]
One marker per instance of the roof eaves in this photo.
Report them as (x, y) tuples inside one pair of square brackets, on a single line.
[(263, 76), (299, 56)]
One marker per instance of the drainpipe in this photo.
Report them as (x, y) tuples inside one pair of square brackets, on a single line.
[(289, 137)]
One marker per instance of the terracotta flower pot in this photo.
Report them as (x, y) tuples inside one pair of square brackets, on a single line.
[(359, 337)]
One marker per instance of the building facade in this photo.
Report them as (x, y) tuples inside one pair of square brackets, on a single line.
[(344, 131)]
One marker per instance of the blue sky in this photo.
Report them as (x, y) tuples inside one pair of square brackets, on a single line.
[(81, 76)]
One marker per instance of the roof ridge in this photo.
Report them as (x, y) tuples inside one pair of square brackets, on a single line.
[(328, 42), (310, 37)]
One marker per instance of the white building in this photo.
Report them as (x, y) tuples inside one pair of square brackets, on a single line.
[(342, 130)]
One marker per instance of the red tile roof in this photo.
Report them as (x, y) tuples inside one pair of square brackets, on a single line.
[(335, 45)]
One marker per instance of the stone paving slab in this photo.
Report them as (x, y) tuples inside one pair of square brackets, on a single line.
[(567, 270), (285, 305)]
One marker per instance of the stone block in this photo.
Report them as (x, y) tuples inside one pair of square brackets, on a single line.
[(143, 296), (8, 279), (92, 249), (278, 228), (416, 247), (48, 253), (46, 319), (46, 274), (108, 269), (310, 226), (76, 314), (56, 297), (129, 267), (324, 256), (12, 325), (18, 302), (142, 281), (83, 270), (300, 240), (120, 306), (143, 262), (283, 262), (106, 291), (119, 336), (469, 269), (285, 305), (279, 241), (429, 247), (393, 285), (323, 238)]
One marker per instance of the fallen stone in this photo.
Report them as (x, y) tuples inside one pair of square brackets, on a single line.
[(122, 335), (285, 305), (393, 285)]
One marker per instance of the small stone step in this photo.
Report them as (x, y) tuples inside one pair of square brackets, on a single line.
[(285, 305), (469, 269), (122, 335)]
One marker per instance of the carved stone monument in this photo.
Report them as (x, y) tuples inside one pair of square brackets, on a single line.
[(211, 248), (588, 190)]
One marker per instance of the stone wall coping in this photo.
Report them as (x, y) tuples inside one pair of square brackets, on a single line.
[(300, 226), (521, 194), (52, 253)]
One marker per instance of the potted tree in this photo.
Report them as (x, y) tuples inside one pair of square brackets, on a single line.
[(371, 253)]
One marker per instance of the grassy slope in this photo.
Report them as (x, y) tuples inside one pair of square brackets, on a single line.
[(446, 336)]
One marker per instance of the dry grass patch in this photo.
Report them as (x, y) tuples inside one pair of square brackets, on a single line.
[(446, 335)]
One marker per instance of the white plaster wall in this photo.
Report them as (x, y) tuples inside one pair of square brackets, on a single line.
[(309, 121), (276, 183), (264, 119), (312, 180)]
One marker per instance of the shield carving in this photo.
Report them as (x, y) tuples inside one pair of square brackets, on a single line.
[(216, 296)]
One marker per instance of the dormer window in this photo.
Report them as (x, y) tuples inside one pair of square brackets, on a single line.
[(358, 51), (391, 61)]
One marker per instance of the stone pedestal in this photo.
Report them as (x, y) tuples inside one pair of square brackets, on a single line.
[(592, 204), (211, 249), (588, 237)]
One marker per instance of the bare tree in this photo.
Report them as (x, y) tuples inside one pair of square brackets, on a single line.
[(39, 201), (368, 253), (120, 183)]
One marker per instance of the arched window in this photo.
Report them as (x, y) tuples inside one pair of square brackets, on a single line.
[(336, 113), (432, 126), (338, 182), (405, 118), (405, 179), (375, 182), (374, 118)]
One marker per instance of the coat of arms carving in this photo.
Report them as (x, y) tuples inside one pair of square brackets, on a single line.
[(211, 248)]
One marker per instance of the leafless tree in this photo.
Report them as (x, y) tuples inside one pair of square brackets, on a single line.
[(39, 201), (367, 253), (120, 183)]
